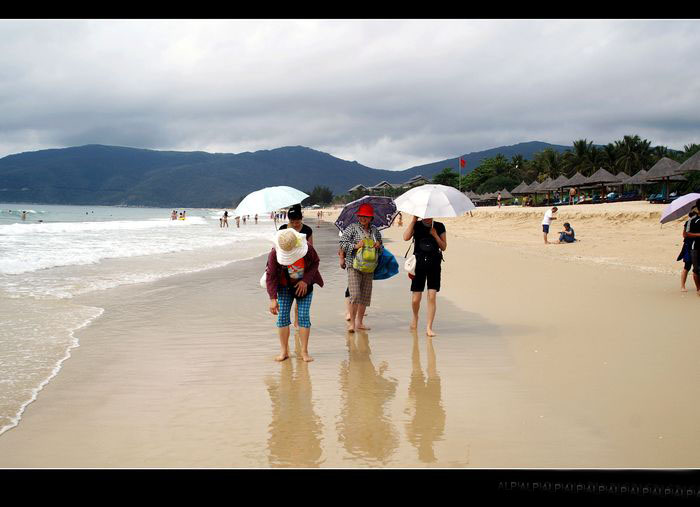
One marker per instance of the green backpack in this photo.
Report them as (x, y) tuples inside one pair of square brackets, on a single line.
[(366, 258)]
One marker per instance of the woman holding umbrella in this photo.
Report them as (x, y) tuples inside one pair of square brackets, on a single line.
[(430, 241), (361, 235)]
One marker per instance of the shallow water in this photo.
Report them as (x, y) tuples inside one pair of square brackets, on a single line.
[(81, 250)]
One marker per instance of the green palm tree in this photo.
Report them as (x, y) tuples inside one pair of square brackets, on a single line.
[(579, 158), (610, 156)]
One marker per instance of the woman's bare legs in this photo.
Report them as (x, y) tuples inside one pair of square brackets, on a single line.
[(284, 343), (432, 307)]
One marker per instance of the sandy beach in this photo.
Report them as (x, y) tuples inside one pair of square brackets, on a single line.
[(579, 355)]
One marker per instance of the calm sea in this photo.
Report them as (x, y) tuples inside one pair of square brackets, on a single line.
[(57, 252)]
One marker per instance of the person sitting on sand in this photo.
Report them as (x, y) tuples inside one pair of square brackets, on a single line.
[(692, 230), (360, 283), (292, 270), (546, 221), (685, 254), (567, 235), (430, 241)]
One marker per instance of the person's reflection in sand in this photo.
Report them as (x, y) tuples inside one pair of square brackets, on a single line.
[(364, 428), (295, 429), (425, 402)]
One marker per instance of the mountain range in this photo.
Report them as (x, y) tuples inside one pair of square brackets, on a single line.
[(113, 175)]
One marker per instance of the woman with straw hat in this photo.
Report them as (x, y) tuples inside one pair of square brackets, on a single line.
[(292, 270), (361, 235)]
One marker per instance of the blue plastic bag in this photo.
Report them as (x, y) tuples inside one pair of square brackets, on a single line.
[(387, 266)]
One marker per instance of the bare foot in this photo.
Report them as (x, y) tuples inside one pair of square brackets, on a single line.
[(430, 332), (363, 327), (306, 357), (683, 289), (282, 357), (351, 328), (414, 323), (347, 317)]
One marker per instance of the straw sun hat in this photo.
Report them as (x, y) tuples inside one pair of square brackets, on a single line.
[(290, 246)]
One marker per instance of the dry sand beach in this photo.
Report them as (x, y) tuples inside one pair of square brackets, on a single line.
[(581, 355)]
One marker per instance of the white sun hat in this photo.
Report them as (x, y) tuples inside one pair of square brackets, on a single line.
[(290, 246)]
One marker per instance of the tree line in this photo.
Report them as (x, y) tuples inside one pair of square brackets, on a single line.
[(629, 155)]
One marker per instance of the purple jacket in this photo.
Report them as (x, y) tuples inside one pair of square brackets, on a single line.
[(275, 271)]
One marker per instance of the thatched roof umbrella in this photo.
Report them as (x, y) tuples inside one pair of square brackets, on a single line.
[(601, 178), (505, 194), (554, 185), (532, 189), (576, 181), (543, 188), (640, 178), (692, 164), (560, 182), (621, 178), (664, 170), (520, 189)]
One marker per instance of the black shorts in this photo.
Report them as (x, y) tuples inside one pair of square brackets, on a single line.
[(687, 265), (429, 273), (695, 256)]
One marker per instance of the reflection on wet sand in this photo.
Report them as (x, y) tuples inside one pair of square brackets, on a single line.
[(295, 429), (364, 426), (425, 404)]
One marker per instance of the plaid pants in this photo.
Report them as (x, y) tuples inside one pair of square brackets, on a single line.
[(285, 298), (360, 285)]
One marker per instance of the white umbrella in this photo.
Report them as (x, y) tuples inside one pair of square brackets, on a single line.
[(679, 207), (269, 199), (434, 201)]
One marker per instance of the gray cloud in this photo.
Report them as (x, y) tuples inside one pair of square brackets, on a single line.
[(389, 94)]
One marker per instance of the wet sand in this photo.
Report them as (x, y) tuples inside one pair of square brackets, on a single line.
[(538, 362)]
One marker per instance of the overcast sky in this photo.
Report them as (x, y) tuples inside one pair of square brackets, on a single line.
[(389, 94)]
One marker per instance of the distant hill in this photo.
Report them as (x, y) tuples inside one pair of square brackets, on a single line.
[(111, 175)]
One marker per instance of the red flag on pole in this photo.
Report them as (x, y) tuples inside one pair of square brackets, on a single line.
[(462, 163)]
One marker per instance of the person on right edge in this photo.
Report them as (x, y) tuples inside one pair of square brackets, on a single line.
[(692, 230), (546, 221), (430, 241)]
